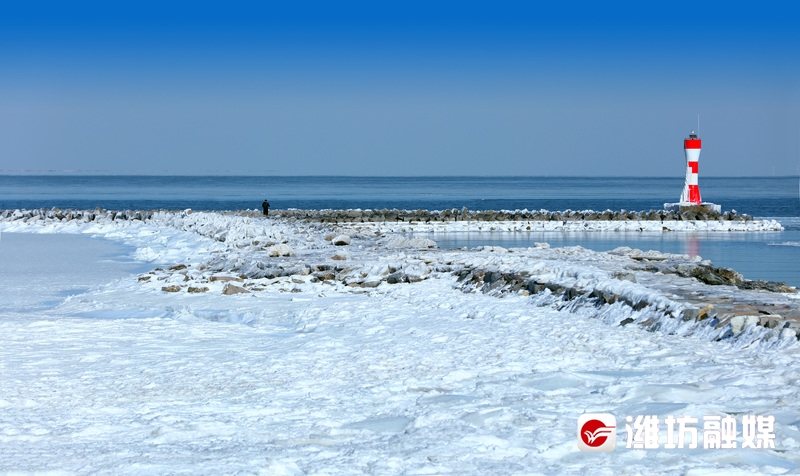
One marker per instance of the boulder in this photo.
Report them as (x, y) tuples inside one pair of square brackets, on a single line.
[(371, 283), (325, 275), (494, 249), (772, 286), (397, 277), (417, 273), (171, 289), (710, 274), (422, 243), (622, 276), (771, 321), (281, 250), (231, 289), (254, 270), (341, 256), (738, 323), (177, 278), (729, 275), (706, 312), (225, 279), (690, 314), (341, 240)]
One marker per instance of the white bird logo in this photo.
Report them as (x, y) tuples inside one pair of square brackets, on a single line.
[(591, 436)]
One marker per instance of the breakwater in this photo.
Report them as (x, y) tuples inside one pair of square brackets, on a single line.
[(390, 221), (396, 215), (463, 214)]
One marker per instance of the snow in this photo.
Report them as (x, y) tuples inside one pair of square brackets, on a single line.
[(577, 226), (348, 374)]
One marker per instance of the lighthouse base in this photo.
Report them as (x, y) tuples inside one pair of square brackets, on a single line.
[(704, 207)]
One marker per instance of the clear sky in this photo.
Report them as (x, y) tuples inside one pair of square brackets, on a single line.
[(399, 88)]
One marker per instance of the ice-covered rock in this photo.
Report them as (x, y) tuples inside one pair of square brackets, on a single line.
[(493, 249), (740, 322), (371, 282), (417, 272), (341, 256), (231, 289), (341, 240), (624, 276), (281, 250), (422, 243), (177, 278), (397, 277)]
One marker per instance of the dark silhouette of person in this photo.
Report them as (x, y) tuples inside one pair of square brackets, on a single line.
[(265, 207)]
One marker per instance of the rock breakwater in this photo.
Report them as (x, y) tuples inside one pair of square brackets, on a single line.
[(388, 221), (452, 215), (395, 215)]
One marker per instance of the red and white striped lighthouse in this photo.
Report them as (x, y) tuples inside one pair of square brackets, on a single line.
[(691, 191)]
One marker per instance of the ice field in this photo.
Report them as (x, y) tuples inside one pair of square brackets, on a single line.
[(102, 371)]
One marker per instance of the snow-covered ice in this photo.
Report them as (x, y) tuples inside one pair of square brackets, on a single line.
[(324, 367)]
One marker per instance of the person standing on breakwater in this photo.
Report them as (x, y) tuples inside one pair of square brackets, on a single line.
[(265, 207)]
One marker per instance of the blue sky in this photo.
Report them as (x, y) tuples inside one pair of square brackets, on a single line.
[(402, 88)]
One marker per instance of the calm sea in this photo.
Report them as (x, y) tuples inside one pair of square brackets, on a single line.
[(767, 196), (772, 256)]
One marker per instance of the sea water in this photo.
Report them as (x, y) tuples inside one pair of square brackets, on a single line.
[(762, 196), (770, 256)]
